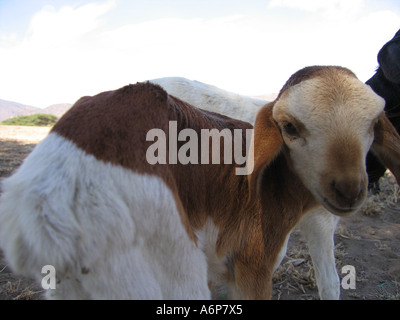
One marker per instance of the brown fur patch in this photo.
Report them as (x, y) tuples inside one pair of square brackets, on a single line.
[(267, 142), (312, 72), (344, 155), (345, 172), (386, 145)]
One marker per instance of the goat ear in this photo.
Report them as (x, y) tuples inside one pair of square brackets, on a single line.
[(386, 145), (389, 61), (267, 142)]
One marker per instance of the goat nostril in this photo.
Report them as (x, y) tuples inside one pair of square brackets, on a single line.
[(348, 191)]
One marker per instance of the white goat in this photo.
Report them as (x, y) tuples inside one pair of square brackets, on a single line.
[(88, 201), (318, 226), (212, 98)]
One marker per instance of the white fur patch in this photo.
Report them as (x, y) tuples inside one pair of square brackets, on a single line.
[(207, 241), (211, 98), (217, 266), (109, 232)]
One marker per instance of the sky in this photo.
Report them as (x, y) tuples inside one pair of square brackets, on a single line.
[(56, 51)]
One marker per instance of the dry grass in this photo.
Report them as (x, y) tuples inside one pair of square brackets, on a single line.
[(25, 135), (295, 276), (12, 153), (13, 287), (16, 143), (388, 196)]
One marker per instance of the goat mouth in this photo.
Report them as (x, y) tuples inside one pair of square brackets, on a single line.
[(336, 210)]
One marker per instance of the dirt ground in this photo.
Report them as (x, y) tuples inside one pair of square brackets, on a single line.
[(368, 240)]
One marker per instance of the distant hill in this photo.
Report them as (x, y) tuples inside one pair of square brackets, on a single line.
[(267, 97), (57, 109), (10, 109)]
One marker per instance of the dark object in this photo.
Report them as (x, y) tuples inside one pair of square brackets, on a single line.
[(386, 83)]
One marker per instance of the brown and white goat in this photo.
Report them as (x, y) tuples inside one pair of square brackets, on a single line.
[(88, 202), (317, 226)]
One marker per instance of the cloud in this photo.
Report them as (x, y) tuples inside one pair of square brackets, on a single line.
[(329, 8), (67, 53), (315, 5), (72, 52), (41, 68), (51, 28)]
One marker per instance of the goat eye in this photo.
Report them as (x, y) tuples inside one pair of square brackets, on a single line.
[(290, 129)]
